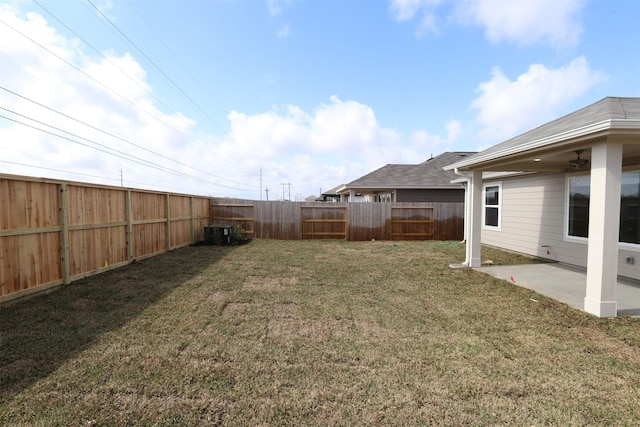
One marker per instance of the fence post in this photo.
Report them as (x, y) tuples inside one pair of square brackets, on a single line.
[(168, 214), (63, 204), (193, 220), (129, 219)]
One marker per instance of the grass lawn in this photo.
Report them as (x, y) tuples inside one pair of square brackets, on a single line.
[(313, 333)]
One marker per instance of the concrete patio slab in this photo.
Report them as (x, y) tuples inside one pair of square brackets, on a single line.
[(564, 283)]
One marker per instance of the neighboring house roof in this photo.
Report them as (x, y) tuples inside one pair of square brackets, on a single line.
[(605, 116), (426, 175), (333, 191)]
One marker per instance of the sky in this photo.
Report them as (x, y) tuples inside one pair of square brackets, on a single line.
[(285, 99)]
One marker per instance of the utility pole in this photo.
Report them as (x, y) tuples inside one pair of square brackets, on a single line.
[(121, 179), (267, 191), (289, 186), (261, 186)]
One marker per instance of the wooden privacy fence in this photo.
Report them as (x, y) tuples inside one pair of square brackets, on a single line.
[(349, 221), (412, 222), (324, 222), (53, 232)]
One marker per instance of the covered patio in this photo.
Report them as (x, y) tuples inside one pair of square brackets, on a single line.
[(565, 283), (530, 208)]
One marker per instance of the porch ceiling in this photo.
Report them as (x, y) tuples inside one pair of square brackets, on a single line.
[(553, 160)]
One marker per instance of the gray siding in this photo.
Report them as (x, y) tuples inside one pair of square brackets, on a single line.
[(533, 212), (432, 196)]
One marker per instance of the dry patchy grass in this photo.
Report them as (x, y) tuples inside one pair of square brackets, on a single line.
[(313, 333)]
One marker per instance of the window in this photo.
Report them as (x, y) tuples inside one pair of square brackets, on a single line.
[(578, 207), (630, 208), (579, 191), (492, 205), (385, 197)]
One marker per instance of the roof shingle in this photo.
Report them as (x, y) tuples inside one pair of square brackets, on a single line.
[(609, 108), (428, 174)]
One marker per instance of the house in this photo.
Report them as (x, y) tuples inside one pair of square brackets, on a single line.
[(569, 191), (330, 195), (424, 182)]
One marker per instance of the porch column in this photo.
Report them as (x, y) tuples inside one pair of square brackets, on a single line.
[(474, 218), (352, 196), (467, 210), (604, 229)]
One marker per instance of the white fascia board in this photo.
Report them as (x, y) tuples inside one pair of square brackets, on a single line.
[(400, 187), (427, 187), (603, 126), (341, 189), (493, 175)]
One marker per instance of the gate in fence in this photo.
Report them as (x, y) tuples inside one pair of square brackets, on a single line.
[(324, 222), (412, 223)]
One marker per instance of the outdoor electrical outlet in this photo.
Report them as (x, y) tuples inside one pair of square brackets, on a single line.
[(630, 260)]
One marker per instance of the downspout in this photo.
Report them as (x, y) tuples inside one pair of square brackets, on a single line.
[(467, 206)]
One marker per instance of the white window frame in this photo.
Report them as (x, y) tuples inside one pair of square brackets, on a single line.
[(632, 247), (498, 206), (567, 195)]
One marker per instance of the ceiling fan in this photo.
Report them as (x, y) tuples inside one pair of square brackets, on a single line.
[(579, 163)]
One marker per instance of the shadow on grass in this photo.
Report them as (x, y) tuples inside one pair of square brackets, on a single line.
[(39, 334)]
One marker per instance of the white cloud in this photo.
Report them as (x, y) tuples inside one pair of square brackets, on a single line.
[(335, 142), (525, 22), (283, 32), (552, 22), (276, 6), (506, 107), (44, 92), (406, 10), (315, 149)]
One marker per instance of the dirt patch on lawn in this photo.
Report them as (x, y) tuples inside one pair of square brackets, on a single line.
[(287, 322), (603, 343), (291, 327), (236, 312), (283, 311), (269, 284)]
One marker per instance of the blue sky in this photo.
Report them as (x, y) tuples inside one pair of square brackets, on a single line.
[(206, 97)]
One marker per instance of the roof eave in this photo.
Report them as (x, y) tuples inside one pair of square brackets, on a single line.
[(399, 187), (603, 127)]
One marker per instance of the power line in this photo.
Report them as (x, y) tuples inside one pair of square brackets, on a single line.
[(95, 80), (115, 152), (122, 155), (109, 134), (112, 91), (106, 58), (169, 79), (288, 184), (145, 184), (57, 170), (184, 67)]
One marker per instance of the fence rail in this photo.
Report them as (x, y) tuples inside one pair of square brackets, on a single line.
[(54, 232), (324, 222), (349, 221)]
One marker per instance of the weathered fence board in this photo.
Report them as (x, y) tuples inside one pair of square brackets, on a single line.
[(358, 221), (235, 214), (53, 232), (324, 222), (411, 223)]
